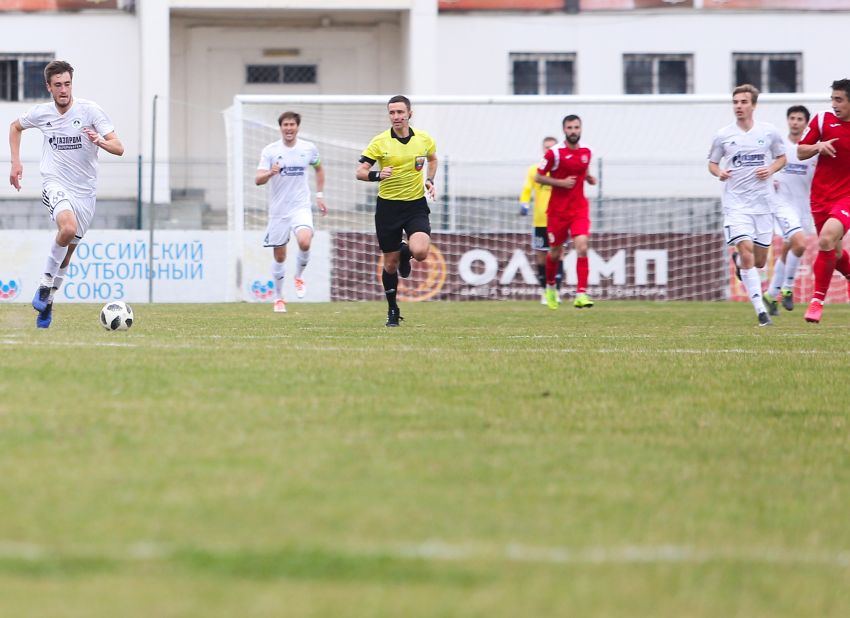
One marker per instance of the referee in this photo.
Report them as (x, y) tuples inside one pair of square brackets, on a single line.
[(401, 154)]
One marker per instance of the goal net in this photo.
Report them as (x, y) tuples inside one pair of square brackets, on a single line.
[(656, 220)]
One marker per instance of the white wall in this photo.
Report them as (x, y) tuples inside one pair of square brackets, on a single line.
[(473, 48), (103, 49)]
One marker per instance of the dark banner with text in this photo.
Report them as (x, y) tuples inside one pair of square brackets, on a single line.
[(502, 266)]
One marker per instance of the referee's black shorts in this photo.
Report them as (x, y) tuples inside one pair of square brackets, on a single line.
[(394, 216)]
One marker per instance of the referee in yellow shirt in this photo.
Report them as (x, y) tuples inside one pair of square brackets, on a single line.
[(401, 154), (539, 237)]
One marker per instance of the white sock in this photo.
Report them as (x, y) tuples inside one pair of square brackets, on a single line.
[(301, 263), (752, 281), (57, 282), (791, 264), (278, 273), (778, 277), (54, 260)]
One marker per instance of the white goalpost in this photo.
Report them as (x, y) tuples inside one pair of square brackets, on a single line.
[(655, 215)]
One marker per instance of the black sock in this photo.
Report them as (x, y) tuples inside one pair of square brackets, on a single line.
[(390, 282), (560, 276), (541, 275)]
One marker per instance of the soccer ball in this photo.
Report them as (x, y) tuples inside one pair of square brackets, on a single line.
[(116, 315)]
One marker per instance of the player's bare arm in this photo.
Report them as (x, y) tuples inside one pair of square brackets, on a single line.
[(763, 173), (430, 175), (363, 171), (716, 170), (263, 176), (17, 170), (109, 142), (590, 179), (807, 151), (320, 188), (564, 183)]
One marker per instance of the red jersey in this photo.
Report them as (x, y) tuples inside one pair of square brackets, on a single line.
[(831, 181), (561, 161)]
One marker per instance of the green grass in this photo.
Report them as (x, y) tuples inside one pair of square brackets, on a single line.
[(485, 459)]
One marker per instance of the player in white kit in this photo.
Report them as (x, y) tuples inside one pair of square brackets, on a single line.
[(74, 130), (284, 165), (794, 182), (751, 153)]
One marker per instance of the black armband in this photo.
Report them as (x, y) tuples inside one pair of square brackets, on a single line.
[(374, 176)]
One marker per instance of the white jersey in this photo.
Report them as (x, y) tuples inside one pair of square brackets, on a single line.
[(743, 152), (795, 179), (68, 157), (289, 190)]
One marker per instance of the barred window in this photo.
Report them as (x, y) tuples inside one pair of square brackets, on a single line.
[(658, 73), (22, 77), (769, 72), (281, 74), (543, 73)]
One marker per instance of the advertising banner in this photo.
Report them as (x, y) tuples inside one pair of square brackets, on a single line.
[(36, 6), (501, 266), (257, 284), (805, 281), (188, 267)]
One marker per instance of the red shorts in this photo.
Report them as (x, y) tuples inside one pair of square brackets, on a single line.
[(560, 225), (839, 209)]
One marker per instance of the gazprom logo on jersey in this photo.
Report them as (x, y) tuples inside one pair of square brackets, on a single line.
[(64, 142), (797, 169), (9, 289), (748, 160), (261, 290), (292, 170)]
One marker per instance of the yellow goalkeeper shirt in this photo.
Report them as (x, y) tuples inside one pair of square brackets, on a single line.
[(541, 196), (407, 160)]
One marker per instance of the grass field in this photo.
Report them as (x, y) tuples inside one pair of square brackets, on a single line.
[(485, 459)]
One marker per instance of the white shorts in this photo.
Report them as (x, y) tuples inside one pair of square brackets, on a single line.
[(738, 226), (279, 230), (787, 220), (57, 199)]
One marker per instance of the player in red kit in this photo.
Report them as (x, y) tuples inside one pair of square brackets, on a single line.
[(564, 167), (828, 136)]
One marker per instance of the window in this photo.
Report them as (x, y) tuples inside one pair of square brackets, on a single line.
[(658, 73), (281, 74), (22, 77), (543, 73), (769, 72)]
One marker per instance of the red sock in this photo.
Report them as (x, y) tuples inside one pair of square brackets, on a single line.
[(551, 270), (582, 269), (842, 265), (824, 266)]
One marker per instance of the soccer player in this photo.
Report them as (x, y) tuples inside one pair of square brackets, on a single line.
[(401, 154), (564, 168), (539, 238), (793, 184), (752, 152), (285, 164), (828, 136), (74, 130)]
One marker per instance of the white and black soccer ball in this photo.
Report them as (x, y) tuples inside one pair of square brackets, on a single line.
[(116, 315)]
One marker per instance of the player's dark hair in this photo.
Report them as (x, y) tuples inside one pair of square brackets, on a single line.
[(569, 118), (400, 98), (842, 84), (289, 116), (799, 109), (754, 92), (57, 67)]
